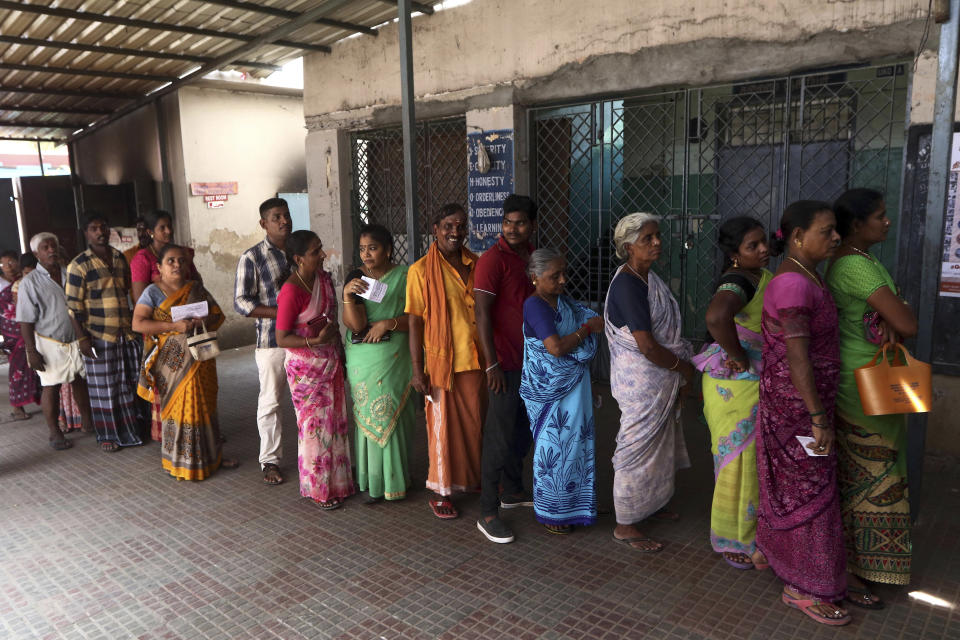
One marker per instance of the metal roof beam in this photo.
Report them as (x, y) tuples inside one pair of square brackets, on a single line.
[(70, 93), (425, 9), (32, 109), (326, 6), (90, 16), (290, 15), (94, 73), (122, 51), (42, 125), (57, 140)]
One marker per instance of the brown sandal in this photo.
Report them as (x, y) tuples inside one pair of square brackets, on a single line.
[(271, 474)]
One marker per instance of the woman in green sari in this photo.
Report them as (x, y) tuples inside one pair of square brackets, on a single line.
[(872, 449), (379, 369), (731, 390)]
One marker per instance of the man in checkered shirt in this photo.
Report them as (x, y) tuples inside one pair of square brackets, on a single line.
[(255, 295), (98, 295)]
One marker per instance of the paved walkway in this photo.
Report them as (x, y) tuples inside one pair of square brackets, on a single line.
[(101, 545)]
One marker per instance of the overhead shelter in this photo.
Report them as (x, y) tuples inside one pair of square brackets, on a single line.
[(68, 68)]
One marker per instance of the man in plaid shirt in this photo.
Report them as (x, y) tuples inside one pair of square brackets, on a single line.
[(98, 285), (255, 295)]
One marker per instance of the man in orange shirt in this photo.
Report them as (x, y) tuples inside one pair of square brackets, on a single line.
[(445, 350)]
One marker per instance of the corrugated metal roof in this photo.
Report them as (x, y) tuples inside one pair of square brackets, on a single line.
[(66, 64)]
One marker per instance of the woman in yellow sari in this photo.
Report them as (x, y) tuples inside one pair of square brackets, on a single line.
[(185, 388)]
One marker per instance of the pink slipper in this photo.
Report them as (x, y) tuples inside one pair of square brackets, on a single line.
[(806, 606)]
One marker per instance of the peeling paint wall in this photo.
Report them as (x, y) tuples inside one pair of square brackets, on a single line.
[(494, 52), (256, 140)]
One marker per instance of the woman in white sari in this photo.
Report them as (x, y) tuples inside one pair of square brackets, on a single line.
[(649, 362)]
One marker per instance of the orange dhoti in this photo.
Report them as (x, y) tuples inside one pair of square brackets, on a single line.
[(454, 433)]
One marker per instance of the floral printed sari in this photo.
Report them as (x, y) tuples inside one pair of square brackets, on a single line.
[(316, 378), (557, 395)]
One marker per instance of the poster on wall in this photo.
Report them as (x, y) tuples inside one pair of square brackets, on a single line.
[(486, 191), (950, 266)]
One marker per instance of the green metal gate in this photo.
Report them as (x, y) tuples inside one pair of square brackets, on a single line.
[(699, 156)]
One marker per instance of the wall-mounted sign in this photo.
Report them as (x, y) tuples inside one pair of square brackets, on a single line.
[(217, 198), (487, 191), (215, 204), (213, 188), (950, 265)]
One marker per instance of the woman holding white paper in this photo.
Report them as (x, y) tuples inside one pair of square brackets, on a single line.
[(185, 389), (798, 519), (379, 368)]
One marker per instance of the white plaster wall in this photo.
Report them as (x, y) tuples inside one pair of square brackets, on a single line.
[(474, 49), (256, 140)]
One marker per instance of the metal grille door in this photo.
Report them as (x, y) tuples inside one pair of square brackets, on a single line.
[(378, 195), (699, 156)]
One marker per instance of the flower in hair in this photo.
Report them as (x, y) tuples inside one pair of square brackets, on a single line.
[(779, 234)]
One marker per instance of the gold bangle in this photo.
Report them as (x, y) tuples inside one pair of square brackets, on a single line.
[(87, 338), (306, 342), (346, 301), (396, 323)]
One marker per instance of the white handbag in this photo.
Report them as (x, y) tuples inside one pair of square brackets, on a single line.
[(203, 346)]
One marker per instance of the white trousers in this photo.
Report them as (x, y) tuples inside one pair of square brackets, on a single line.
[(272, 379)]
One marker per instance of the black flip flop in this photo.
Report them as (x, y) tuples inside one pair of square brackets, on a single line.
[(629, 543), (60, 445), (864, 602)]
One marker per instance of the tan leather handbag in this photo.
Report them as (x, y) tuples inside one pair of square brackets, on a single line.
[(903, 386)]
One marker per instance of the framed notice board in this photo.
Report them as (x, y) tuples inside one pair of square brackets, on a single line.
[(946, 340)]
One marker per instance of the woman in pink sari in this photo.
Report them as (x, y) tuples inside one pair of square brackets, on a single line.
[(798, 525), (307, 328)]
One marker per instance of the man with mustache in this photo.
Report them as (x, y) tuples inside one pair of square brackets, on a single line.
[(445, 350), (255, 296), (98, 295)]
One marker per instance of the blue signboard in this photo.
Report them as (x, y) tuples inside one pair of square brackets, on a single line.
[(487, 191)]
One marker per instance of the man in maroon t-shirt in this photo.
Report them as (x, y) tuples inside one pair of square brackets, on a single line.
[(501, 285)]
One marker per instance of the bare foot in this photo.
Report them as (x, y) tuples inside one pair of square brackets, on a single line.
[(759, 560)]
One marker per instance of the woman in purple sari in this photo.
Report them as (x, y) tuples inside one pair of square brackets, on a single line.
[(798, 526)]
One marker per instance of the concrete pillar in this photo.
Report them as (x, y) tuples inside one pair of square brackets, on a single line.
[(328, 184)]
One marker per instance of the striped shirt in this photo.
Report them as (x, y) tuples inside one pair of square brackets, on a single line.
[(98, 294), (259, 269)]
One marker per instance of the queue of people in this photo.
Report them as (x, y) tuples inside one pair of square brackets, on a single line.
[(500, 355)]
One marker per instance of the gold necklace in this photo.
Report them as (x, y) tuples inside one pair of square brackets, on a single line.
[(634, 272), (863, 253), (807, 271), (297, 272)]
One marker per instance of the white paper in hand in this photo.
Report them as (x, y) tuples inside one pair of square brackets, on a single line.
[(807, 440), (195, 310), (375, 290)]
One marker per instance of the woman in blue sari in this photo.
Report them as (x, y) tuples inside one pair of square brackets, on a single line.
[(555, 386)]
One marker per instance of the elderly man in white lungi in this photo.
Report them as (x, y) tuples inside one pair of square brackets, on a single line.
[(49, 336)]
